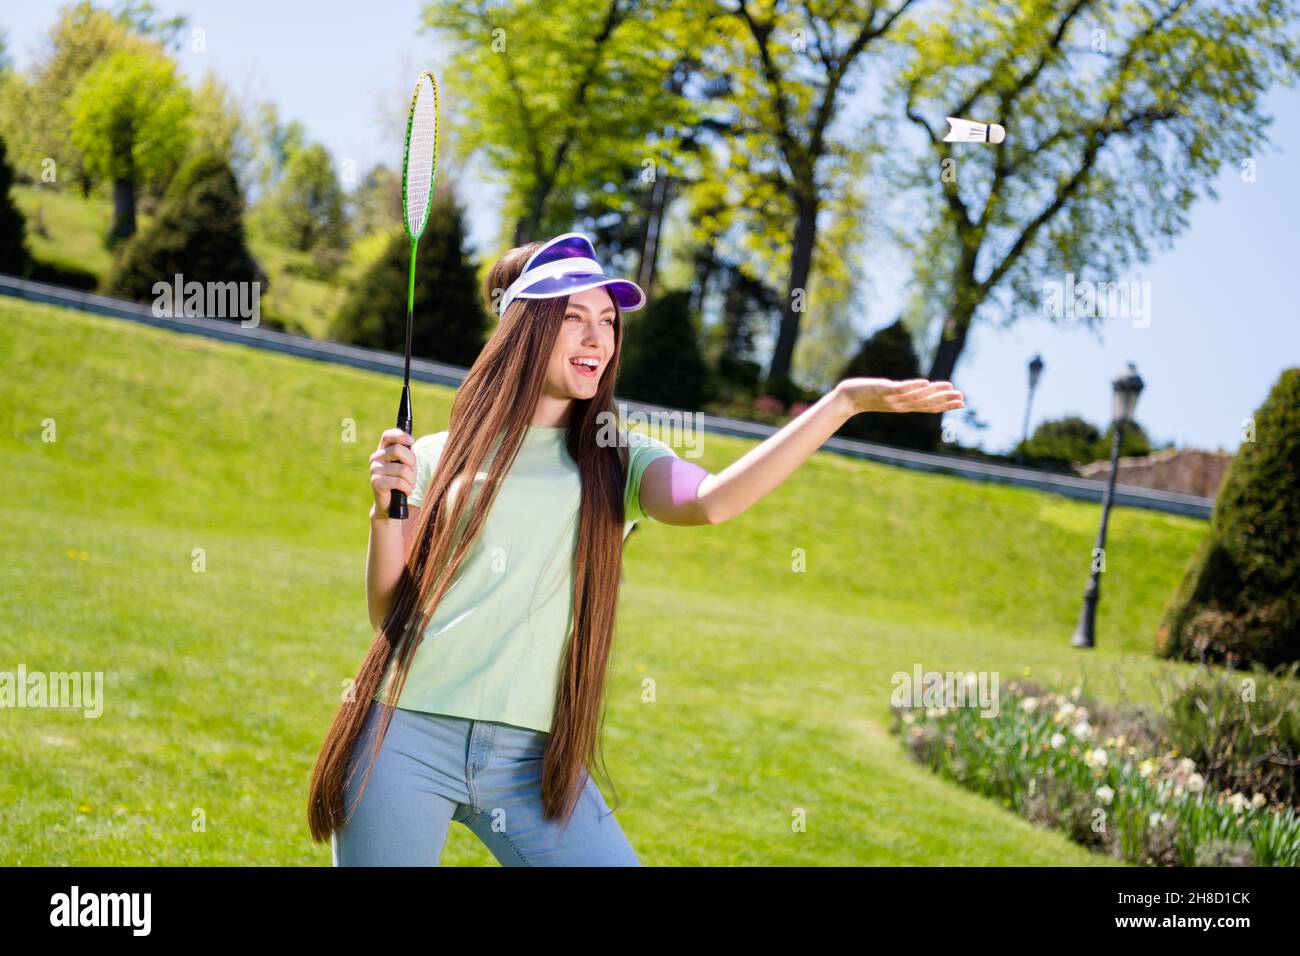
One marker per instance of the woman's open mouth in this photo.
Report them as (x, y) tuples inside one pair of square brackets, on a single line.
[(585, 367)]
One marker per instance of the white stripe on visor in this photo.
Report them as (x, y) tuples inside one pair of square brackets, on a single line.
[(549, 270)]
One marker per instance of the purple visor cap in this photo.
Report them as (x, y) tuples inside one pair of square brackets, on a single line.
[(566, 265)]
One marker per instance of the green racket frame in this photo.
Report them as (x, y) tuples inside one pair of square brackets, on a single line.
[(397, 501)]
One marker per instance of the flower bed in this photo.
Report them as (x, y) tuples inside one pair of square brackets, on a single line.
[(1045, 757)]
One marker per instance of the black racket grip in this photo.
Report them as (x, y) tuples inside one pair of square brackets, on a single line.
[(397, 499)]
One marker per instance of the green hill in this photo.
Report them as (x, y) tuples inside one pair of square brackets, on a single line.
[(771, 687)]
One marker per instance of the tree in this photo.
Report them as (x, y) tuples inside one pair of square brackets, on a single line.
[(1240, 597), (273, 144), (790, 70), (304, 210), (376, 205), (130, 119), (1064, 442), (661, 361), (565, 100), (449, 322), (1118, 117), (219, 125), (33, 115), (198, 232), (14, 257)]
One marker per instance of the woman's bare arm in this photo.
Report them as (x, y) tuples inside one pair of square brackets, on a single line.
[(674, 491)]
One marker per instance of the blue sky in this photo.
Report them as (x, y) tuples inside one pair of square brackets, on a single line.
[(1225, 315)]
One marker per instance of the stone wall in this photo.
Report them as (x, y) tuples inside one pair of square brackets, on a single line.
[(1188, 471)]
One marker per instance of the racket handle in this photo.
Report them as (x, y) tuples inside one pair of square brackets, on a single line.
[(397, 499)]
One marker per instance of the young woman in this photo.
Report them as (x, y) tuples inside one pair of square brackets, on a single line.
[(481, 698)]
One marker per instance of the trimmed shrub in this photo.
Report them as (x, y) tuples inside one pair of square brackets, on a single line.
[(1240, 598), (14, 257), (449, 322), (888, 354), (1061, 443), (661, 361), (198, 233)]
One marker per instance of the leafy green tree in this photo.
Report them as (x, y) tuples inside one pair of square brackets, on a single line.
[(33, 114), (218, 125), (1134, 443), (130, 119), (273, 142), (198, 232), (449, 324), (564, 98), (14, 257), (1119, 115), (304, 210), (376, 204), (1063, 442), (788, 70), (661, 361), (1240, 597)]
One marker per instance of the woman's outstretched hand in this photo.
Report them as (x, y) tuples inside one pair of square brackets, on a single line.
[(909, 395)]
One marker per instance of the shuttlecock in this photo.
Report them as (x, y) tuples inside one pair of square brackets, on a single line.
[(965, 131)]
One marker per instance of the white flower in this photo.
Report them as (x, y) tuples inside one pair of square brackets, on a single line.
[(1058, 741), (1156, 819), (1081, 713), (1065, 710), (1145, 767), (1238, 802), (1195, 783), (931, 712), (1258, 801), (1105, 795), (908, 718), (1081, 729), (1029, 705), (1186, 765), (1095, 758)]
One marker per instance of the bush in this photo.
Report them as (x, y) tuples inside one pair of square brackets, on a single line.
[(1062, 443), (661, 361), (449, 323), (1063, 762), (1240, 598), (14, 257), (305, 209), (888, 354), (1242, 729), (199, 233)]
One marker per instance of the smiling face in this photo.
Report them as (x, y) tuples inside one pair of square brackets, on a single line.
[(583, 347)]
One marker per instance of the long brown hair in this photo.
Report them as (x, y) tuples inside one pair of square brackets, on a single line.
[(498, 398)]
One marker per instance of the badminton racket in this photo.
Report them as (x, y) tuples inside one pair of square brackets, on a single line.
[(418, 167)]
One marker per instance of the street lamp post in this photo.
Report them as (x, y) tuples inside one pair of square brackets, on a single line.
[(1126, 389), (1035, 370)]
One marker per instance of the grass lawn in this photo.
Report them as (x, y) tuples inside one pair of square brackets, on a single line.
[(73, 238), (74, 228), (771, 686)]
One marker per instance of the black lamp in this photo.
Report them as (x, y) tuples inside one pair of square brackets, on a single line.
[(1126, 389)]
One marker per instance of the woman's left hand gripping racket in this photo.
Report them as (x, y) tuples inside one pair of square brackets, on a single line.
[(418, 168)]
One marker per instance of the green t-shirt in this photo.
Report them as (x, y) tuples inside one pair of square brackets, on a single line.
[(493, 649)]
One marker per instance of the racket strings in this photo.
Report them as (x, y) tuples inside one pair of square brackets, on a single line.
[(421, 154)]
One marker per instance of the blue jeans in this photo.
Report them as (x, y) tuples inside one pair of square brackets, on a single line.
[(434, 768)]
